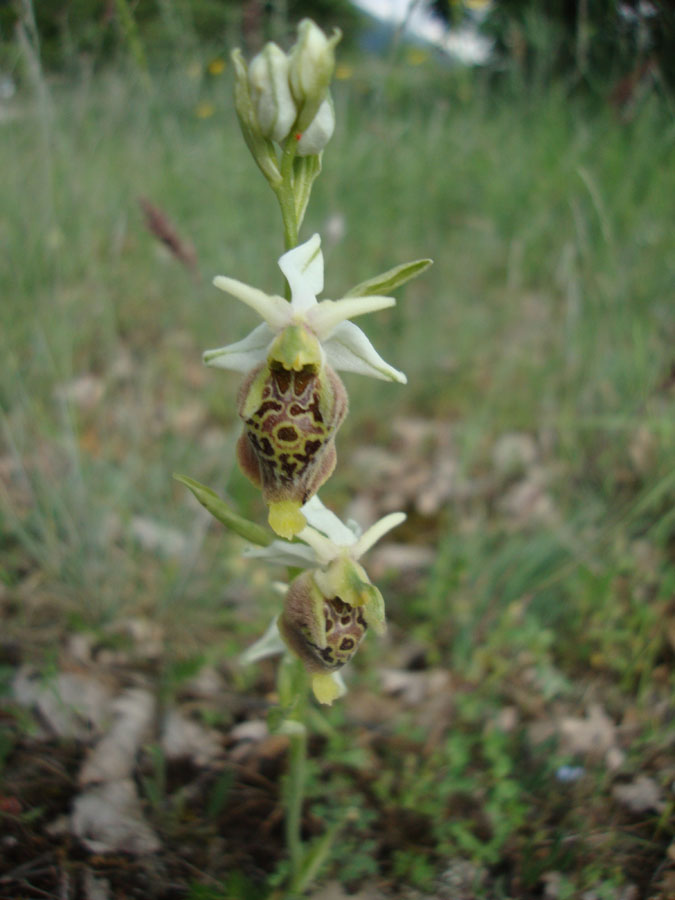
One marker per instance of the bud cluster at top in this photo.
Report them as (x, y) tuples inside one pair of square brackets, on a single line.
[(282, 93)]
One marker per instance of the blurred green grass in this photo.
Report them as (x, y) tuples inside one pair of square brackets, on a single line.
[(549, 312)]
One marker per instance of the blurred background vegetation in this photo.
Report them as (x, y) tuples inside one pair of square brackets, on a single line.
[(588, 41), (515, 729)]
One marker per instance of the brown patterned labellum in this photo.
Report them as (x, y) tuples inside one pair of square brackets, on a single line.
[(325, 632), (290, 421)]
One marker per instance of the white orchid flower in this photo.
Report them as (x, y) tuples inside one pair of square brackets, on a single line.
[(329, 607), (343, 345)]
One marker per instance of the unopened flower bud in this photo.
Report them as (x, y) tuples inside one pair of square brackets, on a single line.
[(258, 144), (320, 130), (292, 407), (270, 92), (312, 61)]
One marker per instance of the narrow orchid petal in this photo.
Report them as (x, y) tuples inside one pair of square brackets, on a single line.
[(324, 549), (349, 350), (269, 644), (303, 269), (328, 314), (377, 531), (283, 553), (274, 310), (245, 354), (325, 521)]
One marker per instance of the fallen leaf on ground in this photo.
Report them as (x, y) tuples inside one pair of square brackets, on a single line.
[(393, 557), (114, 757), (109, 819), (595, 735), (641, 795), (334, 891), (182, 738), (95, 888), (147, 637), (157, 537), (514, 452), (71, 705), (415, 687), (528, 502), (84, 392)]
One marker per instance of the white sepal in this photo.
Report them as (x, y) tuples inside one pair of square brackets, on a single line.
[(244, 355), (324, 520), (283, 553), (270, 644), (349, 350)]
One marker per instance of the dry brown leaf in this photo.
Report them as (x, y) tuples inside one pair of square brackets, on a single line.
[(392, 557), (109, 819), (146, 636), (114, 757), (642, 449), (461, 880), (641, 795), (528, 502), (182, 738), (157, 537), (594, 735), (207, 684), (334, 891), (95, 888), (85, 391), (514, 453), (415, 687), (71, 705)]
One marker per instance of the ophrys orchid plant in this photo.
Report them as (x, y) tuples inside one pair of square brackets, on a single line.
[(292, 403)]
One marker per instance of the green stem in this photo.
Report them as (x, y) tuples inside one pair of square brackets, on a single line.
[(294, 791), (297, 758), (285, 193)]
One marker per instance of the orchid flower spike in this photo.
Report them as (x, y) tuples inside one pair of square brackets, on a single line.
[(292, 401), (329, 607)]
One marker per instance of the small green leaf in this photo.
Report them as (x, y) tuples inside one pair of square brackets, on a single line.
[(391, 279), (314, 858), (230, 519)]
